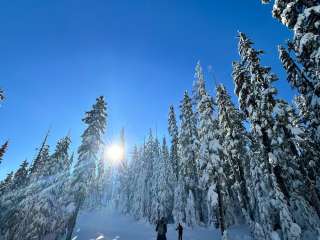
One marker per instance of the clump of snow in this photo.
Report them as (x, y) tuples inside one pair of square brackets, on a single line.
[(275, 236)]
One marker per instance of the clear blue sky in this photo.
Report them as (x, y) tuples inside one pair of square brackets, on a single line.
[(57, 56)]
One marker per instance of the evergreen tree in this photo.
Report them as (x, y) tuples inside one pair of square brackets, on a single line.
[(37, 167), (198, 84), (301, 62), (70, 163), (60, 157), (303, 70), (43, 164), (302, 17), (9, 206), (256, 97), (235, 142), (188, 178), (162, 182), (309, 151), (148, 182), (85, 168), (167, 189), (156, 182), (289, 136), (107, 184), (20, 179), (138, 166), (210, 160), (123, 177), (46, 200), (174, 133), (3, 149), (134, 173), (100, 189), (6, 184), (120, 172), (7, 203), (1, 95)]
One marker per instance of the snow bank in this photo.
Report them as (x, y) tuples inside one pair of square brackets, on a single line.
[(110, 225)]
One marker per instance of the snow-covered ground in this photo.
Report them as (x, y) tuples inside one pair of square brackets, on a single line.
[(107, 224)]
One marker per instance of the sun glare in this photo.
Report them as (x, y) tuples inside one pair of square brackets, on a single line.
[(115, 153)]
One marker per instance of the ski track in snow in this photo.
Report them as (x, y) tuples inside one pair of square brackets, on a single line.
[(104, 224)]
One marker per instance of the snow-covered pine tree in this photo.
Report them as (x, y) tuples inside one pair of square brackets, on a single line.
[(256, 97), (167, 190), (120, 171), (180, 202), (99, 198), (133, 177), (101, 171), (61, 159), (124, 183), (302, 17), (197, 95), (3, 149), (107, 184), (6, 184), (1, 95), (11, 203), (11, 195), (156, 207), (293, 146), (210, 161), (20, 179), (185, 209), (138, 182), (151, 177), (42, 211), (310, 153), (299, 79), (162, 183), (151, 156), (115, 190), (198, 84), (70, 163), (235, 143), (85, 168), (174, 134), (42, 165), (5, 200), (289, 137), (141, 182), (303, 74), (37, 166), (58, 200)]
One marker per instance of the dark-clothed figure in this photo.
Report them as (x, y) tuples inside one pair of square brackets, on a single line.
[(161, 229), (180, 231)]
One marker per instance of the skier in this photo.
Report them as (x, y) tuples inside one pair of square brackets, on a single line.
[(180, 231), (161, 229)]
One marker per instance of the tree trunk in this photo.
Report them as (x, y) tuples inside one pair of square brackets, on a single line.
[(314, 198), (280, 181), (243, 185), (221, 207), (72, 221)]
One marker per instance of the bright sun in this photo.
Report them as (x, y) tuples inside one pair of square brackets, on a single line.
[(115, 153)]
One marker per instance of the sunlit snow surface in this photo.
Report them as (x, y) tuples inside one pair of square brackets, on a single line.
[(106, 224)]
